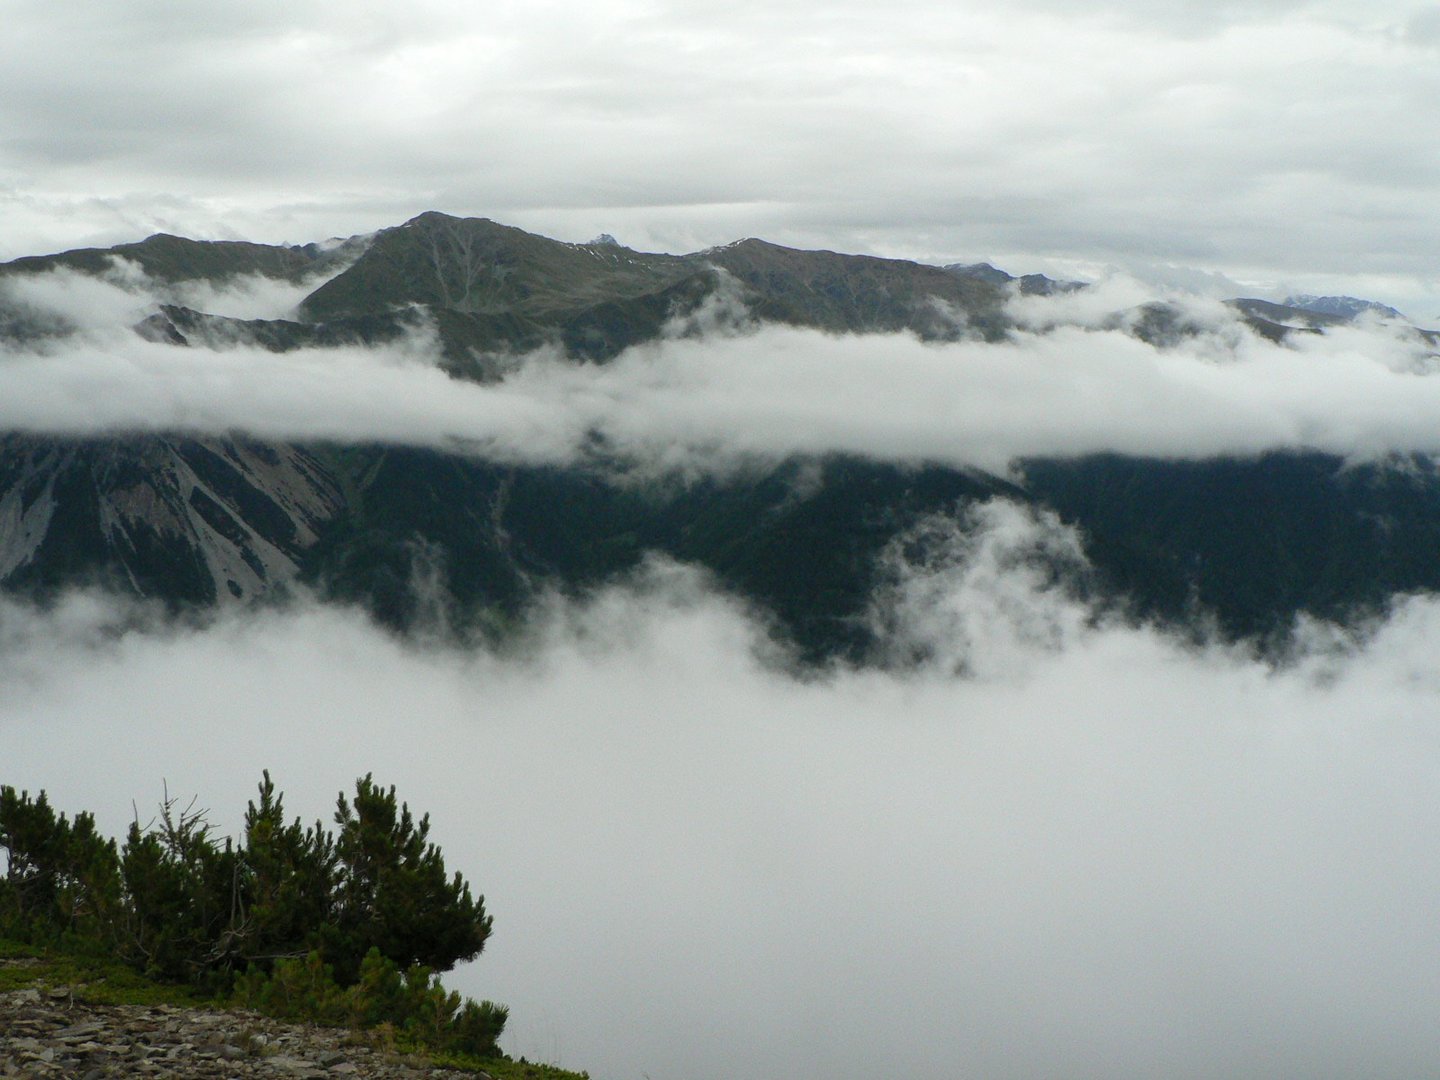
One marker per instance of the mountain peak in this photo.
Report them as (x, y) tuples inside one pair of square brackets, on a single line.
[(436, 217)]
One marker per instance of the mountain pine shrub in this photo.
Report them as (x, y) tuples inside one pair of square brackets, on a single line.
[(348, 927)]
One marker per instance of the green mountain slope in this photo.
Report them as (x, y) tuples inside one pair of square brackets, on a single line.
[(474, 266)]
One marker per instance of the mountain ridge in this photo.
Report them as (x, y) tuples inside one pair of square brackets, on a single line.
[(424, 537), (493, 289)]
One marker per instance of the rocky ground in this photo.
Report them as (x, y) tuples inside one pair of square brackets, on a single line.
[(49, 1033)]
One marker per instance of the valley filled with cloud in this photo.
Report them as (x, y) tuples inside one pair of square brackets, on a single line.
[(1058, 844), (1032, 836)]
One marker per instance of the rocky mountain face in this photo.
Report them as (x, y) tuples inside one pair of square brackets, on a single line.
[(188, 521), (461, 543)]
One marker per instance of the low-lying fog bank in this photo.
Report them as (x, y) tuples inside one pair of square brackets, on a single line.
[(1097, 854)]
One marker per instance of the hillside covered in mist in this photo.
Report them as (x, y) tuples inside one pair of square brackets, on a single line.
[(448, 421), (823, 664)]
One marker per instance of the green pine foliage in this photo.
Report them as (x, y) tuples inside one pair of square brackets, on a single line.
[(393, 893), (350, 927), (291, 884), (61, 879), (411, 1003)]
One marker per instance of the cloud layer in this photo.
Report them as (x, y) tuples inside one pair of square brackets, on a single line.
[(1072, 381), (1278, 141), (1098, 855)]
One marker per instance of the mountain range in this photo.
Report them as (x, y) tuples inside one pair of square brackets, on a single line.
[(423, 537)]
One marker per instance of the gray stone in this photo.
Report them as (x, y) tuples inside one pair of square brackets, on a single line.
[(79, 1032)]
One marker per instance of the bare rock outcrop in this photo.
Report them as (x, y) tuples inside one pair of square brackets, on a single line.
[(50, 1032)]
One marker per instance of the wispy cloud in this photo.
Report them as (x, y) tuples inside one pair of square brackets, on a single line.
[(1078, 383)]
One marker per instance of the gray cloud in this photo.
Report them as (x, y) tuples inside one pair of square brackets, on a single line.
[(1263, 140), (1100, 855), (113, 301)]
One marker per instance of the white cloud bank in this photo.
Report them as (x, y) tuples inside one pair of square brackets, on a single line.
[(1102, 856), (1067, 387)]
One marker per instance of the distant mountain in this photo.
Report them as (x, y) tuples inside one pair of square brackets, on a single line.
[(1278, 321), (422, 537), (492, 290), (1028, 284), (175, 259), (1344, 307)]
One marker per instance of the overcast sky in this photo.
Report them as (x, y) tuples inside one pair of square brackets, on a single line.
[(1285, 144)]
